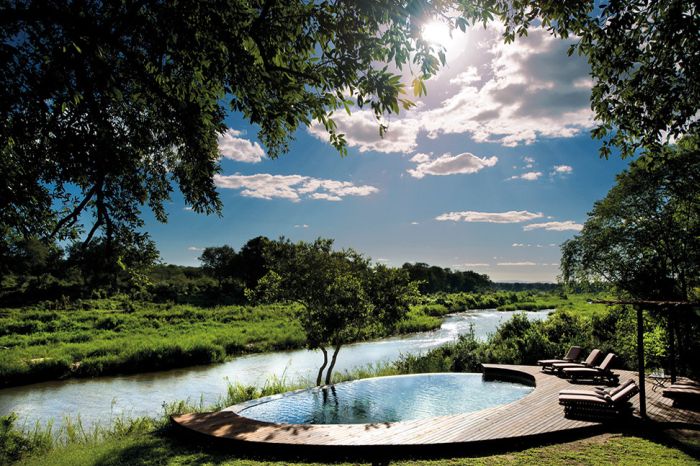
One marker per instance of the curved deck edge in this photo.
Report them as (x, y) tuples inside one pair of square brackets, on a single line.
[(534, 419)]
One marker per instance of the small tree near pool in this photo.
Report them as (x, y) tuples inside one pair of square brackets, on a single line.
[(343, 297)]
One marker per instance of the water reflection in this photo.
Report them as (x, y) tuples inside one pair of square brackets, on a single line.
[(388, 399), (100, 399)]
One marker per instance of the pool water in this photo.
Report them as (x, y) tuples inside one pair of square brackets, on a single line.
[(386, 399)]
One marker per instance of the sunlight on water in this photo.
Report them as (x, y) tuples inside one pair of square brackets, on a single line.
[(388, 399), (100, 399)]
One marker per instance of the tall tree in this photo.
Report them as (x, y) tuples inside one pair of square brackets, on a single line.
[(252, 264), (106, 105), (219, 261), (343, 298), (644, 236)]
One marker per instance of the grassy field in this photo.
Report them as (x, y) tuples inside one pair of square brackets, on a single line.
[(116, 336), (618, 449), (111, 336)]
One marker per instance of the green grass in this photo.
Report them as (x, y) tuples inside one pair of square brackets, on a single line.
[(163, 448), (111, 336), (154, 441)]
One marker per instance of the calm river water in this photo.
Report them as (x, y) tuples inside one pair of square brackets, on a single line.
[(100, 399)]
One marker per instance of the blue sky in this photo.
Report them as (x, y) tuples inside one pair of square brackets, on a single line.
[(490, 172)]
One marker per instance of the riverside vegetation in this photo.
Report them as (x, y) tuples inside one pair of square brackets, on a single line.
[(131, 441), (60, 339), (518, 341)]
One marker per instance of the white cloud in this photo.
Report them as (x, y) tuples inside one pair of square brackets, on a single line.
[(415, 223), (382, 260), (466, 77), (473, 264), (528, 160), (187, 208), (301, 226), (518, 245), (241, 150), (448, 164), (421, 158), (515, 264), (561, 170), (568, 225), (512, 94), (291, 187), (512, 216), (361, 130), (195, 248), (529, 176)]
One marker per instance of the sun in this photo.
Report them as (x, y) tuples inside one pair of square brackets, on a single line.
[(437, 33)]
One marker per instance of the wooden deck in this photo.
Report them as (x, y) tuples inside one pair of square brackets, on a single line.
[(537, 415)]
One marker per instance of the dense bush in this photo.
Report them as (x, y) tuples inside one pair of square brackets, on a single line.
[(522, 341)]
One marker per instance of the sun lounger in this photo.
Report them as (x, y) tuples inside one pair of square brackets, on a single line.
[(572, 355), (597, 391), (593, 406), (601, 372), (684, 394), (590, 361)]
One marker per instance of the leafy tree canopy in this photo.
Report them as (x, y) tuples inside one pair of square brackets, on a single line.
[(219, 261), (343, 297), (108, 105), (105, 105), (644, 236)]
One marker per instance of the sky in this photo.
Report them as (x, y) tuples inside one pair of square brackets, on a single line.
[(491, 171)]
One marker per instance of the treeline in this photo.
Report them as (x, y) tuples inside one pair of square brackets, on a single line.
[(32, 271), (433, 279), (538, 286)]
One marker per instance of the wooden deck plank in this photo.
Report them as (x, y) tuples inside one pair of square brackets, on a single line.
[(537, 413)]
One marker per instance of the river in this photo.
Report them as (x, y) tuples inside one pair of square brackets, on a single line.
[(100, 399)]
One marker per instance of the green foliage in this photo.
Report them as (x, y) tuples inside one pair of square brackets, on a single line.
[(15, 443), (643, 236), (521, 341), (434, 279), (643, 239), (130, 99), (343, 298), (219, 262), (118, 336)]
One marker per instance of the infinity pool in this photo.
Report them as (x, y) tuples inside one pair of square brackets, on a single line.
[(385, 399)]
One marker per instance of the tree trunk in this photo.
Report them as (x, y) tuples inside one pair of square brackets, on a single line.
[(320, 371), (330, 368)]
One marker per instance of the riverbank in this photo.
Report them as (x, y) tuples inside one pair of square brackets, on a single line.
[(108, 337), (98, 399), (155, 441), (119, 336)]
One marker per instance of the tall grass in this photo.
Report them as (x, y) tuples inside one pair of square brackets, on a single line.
[(116, 335), (111, 336), (20, 441)]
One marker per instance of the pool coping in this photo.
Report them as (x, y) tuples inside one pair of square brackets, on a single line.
[(536, 417)]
